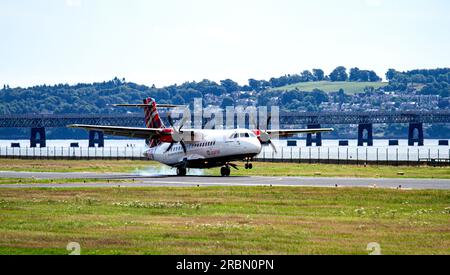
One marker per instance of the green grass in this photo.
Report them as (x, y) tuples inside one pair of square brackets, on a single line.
[(328, 86), (260, 169), (332, 170), (224, 220), (52, 181), (97, 166)]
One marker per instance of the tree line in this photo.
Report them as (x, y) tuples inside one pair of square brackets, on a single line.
[(99, 97)]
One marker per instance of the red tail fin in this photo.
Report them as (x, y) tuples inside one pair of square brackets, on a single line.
[(152, 119)]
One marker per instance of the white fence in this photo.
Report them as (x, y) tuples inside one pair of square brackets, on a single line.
[(358, 155), (73, 153), (335, 154)]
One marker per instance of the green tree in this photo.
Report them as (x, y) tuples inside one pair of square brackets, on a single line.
[(319, 74), (339, 74), (227, 101), (230, 85)]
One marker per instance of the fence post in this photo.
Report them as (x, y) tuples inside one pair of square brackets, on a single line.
[(396, 152), (309, 154), (347, 155), (357, 156), (300, 155), (377, 155), (407, 153), (328, 155), (291, 155), (339, 155), (418, 156), (367, 155), (387, 156)]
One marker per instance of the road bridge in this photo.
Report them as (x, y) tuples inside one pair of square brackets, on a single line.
[(365, 120)]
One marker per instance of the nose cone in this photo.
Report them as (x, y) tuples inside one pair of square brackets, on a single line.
[(253, 146)]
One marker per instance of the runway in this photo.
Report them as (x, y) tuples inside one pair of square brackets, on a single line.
[(133, 180)]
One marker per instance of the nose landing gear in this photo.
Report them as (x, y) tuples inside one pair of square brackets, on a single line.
[(248, 165)]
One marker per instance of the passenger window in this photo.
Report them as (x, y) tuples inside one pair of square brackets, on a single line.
[(247, 135)]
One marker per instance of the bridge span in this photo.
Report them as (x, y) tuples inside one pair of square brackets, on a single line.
[(365, 120)]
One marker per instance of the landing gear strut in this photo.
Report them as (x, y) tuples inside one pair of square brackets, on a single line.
[(181, 171), (225, 171)]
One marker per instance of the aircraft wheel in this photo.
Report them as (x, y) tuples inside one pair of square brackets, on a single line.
[(181, 172), (228, 171), (223, 171), (247, 166), (250, 166)]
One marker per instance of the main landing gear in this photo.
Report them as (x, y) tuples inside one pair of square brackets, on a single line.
[(181, 172), (225, 171)]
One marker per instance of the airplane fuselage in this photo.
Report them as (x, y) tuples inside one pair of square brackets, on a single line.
[(214, 148)]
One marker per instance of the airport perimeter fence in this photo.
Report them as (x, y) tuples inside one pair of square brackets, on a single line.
[(433, 156)]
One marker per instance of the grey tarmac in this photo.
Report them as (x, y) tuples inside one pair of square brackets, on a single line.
[(133, 180)]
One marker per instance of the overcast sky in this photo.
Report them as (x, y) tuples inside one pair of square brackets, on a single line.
[(173, 41)]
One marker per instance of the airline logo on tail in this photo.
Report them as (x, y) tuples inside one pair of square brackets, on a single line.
[(152, 119)]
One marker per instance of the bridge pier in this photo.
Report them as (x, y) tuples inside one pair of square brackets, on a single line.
[(38, 137), (369, 139), (412, 139), (317, 139), (96, 138)]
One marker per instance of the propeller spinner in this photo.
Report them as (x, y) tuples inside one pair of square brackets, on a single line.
[(177, 136)]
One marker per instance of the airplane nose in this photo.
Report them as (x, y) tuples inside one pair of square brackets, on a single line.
[(254, 147)]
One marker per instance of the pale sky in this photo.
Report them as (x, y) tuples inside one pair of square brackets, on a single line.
[(173, 41)]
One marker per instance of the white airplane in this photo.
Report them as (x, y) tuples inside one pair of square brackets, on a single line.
[(196, 148)]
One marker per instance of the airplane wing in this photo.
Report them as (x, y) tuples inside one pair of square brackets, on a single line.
[(291, 132), (121, 131)]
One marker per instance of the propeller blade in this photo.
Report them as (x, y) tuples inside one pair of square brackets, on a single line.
[(170, 146), (184, 146), (233, 165), (269, 120), (273, 146), (169, 117), (182, 123)]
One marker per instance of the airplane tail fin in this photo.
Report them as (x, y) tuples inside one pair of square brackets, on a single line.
[(152, 119)]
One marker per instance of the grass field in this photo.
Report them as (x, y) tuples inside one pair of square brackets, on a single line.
[(224, 220), (260, 169), (328, 86)]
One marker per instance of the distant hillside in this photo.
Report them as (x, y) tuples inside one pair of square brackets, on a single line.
[(328, 86)]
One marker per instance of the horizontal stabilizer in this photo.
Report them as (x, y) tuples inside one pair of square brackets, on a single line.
[(132, 132)]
